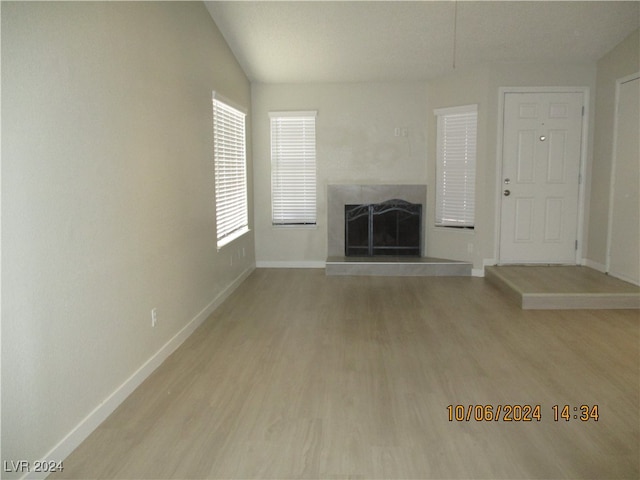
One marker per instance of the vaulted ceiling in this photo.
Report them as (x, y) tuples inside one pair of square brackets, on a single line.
[(360, 41)]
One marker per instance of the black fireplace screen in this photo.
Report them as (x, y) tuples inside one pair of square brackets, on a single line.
[(389, 228)]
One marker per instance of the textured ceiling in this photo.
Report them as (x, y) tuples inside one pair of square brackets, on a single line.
[(355, 41)]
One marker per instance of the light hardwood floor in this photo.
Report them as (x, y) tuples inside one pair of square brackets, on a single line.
[(300, 375)]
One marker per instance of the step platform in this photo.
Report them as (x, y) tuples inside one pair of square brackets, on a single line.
[(563, 287)]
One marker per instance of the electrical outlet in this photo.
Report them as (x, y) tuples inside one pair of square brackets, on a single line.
[(154, 317)]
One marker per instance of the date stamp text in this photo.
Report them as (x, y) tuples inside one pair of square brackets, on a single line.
[(520, 413)]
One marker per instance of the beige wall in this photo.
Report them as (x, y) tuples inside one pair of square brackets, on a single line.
[(481, 85), (107, 187), (356, 144), (107, 202), (623, 60), (464, 87)]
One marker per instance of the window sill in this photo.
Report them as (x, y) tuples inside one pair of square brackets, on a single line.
[(228, 239), (295, 226), (448, 228)]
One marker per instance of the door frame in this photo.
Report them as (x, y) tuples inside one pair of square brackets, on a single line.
[(614, 157), (584, 142)]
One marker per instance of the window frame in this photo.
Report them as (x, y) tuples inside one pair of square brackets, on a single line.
[(294, 175), (230, 170), (456, 209)]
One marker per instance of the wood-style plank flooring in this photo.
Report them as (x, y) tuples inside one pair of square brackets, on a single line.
[(302, 375)]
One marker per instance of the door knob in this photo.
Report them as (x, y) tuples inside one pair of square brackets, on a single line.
[(507, 193)]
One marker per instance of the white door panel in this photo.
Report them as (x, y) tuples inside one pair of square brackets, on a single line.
[(541, 166)]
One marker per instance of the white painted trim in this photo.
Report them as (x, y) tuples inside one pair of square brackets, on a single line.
[(595, 265), (81, 431), (290, 264), (294, 114), (236, 106), (477, 272), (489, 262), (498, 185), (472, 108), (580, 233), (480, 272), (614, 162), (624, 278)]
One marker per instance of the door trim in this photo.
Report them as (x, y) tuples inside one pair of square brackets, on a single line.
[(614, 155), (584, 142)]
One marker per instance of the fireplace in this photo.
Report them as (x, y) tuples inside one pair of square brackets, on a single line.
[(389, 228)]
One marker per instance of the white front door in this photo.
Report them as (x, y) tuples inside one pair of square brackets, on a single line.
[(540, 177)]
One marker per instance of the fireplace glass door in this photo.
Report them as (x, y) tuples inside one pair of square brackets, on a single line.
[(391, 228)]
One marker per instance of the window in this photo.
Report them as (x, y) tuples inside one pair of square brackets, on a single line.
[(293, 168), (230, 163), (456, 166)]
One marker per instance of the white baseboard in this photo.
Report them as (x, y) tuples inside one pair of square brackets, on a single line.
[(74, 438), (603, 269), (595, 265), (625, 278), (290, 264), (486, 262)]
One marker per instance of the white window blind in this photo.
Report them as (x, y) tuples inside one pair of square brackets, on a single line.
[(230, 164), (293, 168), (456, 166)]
